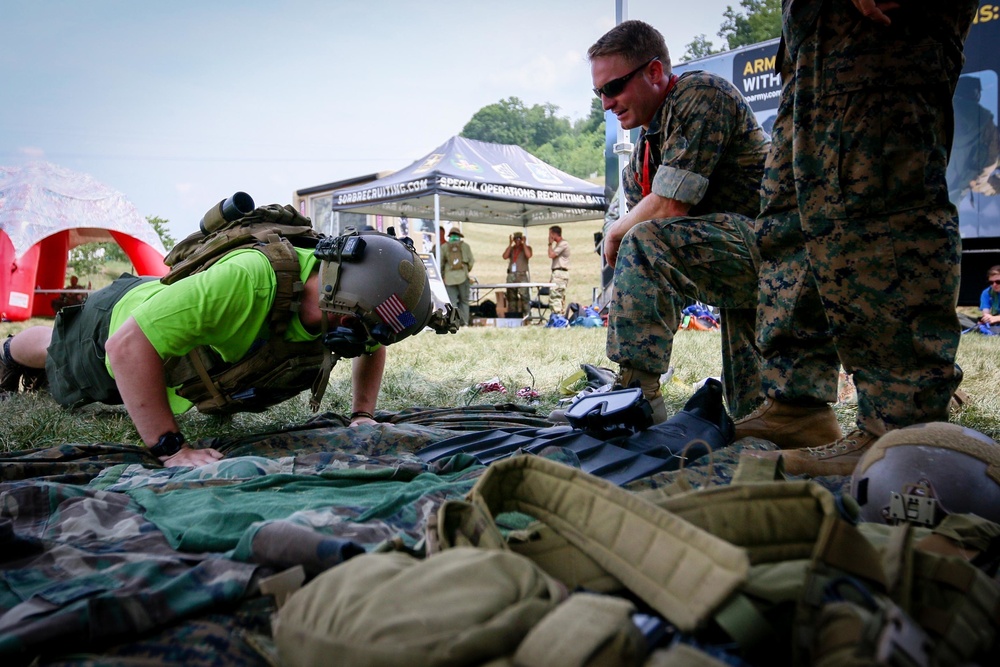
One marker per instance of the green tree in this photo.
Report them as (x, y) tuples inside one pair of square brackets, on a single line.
[(576, 148), (113, 253), (698, 48), (760, 21), (594, 122), (160, 226), (87, 259), (511, 122), (581, 155), (505, 122)]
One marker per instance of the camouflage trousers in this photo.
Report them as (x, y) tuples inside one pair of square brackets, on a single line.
[(664, 265), (518, 299), (860, 247), (557, 295)]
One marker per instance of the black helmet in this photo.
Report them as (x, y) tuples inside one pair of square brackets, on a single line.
[(922, 472)]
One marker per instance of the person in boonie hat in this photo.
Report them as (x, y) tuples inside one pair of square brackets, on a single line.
[(456, 263)]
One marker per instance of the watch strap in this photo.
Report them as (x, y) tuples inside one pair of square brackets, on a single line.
[(169, 444)]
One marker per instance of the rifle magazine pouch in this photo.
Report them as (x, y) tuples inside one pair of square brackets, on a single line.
[(463, 606)]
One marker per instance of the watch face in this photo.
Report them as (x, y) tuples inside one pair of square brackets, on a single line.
[(168, 445)]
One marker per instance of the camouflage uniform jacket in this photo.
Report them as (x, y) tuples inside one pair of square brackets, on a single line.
[(702, 113)]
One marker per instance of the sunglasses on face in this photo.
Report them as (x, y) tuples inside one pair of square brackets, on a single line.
[(615, 87), (995, 282)]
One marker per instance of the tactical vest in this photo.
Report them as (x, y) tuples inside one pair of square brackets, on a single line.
[(273, 370), (776, 568)]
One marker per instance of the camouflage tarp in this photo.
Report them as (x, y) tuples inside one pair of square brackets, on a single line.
[(103, 551), (85, 562)]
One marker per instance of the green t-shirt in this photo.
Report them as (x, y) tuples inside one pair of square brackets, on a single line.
[(225, 307)]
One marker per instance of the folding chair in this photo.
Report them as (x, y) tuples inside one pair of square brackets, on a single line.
[(537, 307)]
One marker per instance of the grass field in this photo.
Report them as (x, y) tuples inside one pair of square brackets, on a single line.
[(433, 370)]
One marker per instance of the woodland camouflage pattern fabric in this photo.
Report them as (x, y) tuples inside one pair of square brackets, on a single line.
[(664, 265), (860, 245), (106, 558)]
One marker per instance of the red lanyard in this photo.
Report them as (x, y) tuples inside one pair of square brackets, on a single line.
[(646, 182)]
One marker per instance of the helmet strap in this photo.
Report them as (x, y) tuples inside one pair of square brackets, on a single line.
[(323, 376)]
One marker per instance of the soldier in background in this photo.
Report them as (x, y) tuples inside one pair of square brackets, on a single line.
[(692, 188), (456, 263), (559, 254), (517, 253)]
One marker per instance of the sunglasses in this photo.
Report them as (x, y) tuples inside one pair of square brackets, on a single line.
[(995, 282), (615, 87)]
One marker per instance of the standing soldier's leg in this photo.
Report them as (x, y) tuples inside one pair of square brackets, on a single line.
[(463, 297), (456, 301), (741, 360), (523, 295), (882, 231), (800, 364), (888, 266), (557, 295)]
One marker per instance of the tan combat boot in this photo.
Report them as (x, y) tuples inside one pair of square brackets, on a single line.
[(650, 385), (790, 426), (837, 458)]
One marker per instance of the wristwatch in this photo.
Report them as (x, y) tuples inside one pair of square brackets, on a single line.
[(168, 445)]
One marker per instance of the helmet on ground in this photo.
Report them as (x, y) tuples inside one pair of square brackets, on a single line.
[(379, 281), (921, 473)]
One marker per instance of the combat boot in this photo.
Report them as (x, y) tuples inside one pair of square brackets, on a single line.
[(10, 370), (790, 426), (837, 458), (650, 385), (13, 375)]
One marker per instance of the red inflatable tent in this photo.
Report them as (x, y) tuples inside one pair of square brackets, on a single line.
[(45, 211)]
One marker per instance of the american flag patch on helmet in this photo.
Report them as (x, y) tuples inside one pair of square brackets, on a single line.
[(394, 313)]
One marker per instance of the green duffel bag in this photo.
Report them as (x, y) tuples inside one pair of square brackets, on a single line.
[(464, 606)]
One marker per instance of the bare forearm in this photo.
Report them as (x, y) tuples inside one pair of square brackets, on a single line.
[(652, 207), (366, 380), (138, 372)]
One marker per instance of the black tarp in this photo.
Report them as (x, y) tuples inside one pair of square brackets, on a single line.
[(476, 181)]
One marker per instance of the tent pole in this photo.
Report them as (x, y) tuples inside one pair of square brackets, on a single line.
[(437, 229)]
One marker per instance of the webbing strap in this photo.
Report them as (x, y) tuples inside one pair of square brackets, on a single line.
[(681, 571), (198, 363), (322, 381), (842, 547), (288, 288), (897, 563), (579, 629)]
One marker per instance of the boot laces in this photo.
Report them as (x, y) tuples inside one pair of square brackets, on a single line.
[(843, 445)]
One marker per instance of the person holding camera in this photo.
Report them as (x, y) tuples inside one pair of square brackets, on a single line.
[(517, 253)]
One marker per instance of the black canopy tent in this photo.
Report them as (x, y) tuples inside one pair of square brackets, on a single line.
[(464, 180)]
